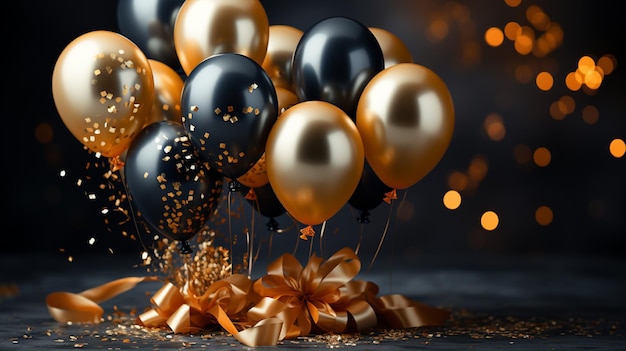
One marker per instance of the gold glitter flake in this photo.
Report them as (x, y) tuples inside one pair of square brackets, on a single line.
[(252, 87)]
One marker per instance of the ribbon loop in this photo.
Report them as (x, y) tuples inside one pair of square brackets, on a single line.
[(290, 301)]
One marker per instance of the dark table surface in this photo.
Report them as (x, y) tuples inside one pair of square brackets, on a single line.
[(513, 303)]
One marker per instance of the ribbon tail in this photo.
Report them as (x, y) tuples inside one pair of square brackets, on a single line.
[(67, 307), (113, 288), (265, 333), (401, 312)]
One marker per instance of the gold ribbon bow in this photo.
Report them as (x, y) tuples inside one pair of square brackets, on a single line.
[(288, 302), (230, 303), (323, 297), (314, 296)]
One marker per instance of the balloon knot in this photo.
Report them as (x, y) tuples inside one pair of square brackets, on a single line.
[(234, 186), (307, 232), (185, 248), (391, 195), (272, 225), (363, 217)]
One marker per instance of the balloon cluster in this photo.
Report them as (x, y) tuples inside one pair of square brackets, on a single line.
[(194, 92)]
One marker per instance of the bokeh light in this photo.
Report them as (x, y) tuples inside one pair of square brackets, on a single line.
[(489, 220), (617, 147), (544, 81), (494, 36), (544, 215), (452, 199), (542, 156)]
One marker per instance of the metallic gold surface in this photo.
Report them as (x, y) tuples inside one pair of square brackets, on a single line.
[(103, 90), (394, 50), (282, 43), (207, 27), (168, 86), (314, 158), (406, 119)]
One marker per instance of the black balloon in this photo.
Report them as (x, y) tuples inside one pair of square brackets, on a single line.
[(229, 106), (333, 62), (369, 193), (150, 25), (172, 189), (264, 200)]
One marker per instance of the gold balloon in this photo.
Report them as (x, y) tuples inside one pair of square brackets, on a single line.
[(314, 158), (277, 64), (168, 86), (405, 116), (103, 89), (204, 28), (394, 49), (286, 99), (257, 175)]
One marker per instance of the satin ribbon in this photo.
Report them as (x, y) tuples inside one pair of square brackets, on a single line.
[(323, 297), (84, 307), (229, 303), (288, 302)]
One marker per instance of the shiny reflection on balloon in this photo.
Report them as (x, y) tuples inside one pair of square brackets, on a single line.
[(394, 49), (406, 119), (103, 89), (168, 86), (283, 40), (229, 106), (314, 159), (150, 25), (333, 62), (204, 28)]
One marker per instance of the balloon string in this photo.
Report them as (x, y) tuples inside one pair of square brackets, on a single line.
[(382, 237), (132, 212), (230, 235), (250, 237), (311, 246), (322, 239), (269, 244), (358, 245), (391, 257)]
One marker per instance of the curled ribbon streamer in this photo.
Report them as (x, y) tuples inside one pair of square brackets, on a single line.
[(83, 307)]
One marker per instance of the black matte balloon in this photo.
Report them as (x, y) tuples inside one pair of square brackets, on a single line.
[(168, 183), (333, 62), (150, 25), (369, 193), (264, 200), (229, 106)]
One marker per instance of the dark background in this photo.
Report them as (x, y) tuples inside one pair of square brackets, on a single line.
[(584, 185)]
